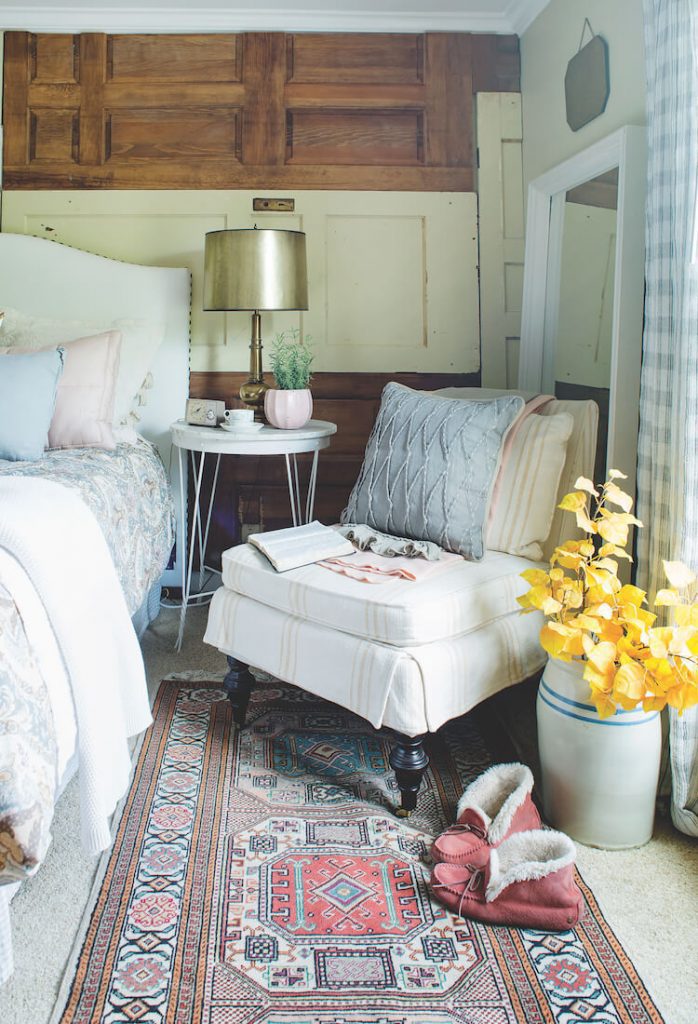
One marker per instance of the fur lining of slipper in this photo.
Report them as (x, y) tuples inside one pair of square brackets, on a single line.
[(526, 856), (496, 795)]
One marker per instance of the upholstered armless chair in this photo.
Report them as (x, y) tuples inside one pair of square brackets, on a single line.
[(406, 656)]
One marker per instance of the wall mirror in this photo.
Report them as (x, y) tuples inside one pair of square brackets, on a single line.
[(581, 326)]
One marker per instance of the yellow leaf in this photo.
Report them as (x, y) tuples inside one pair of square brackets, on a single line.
[(600, 682), (573, 502), (609, 630), (537, 596), (682, 697), (654, 703), (667, 597), (686, 615), (574, 598), (584, 522), (615, 474), (631, 595), (587, 485), (571, 545), (619, 517), (550, 606), (608, 564), (678, 574), (536, 577), (603, 610), (588, 622), (646, 617), (659, 640), (553, 643), (611, 549), (575, 644), (604, 705), (618, 497), (569, 561), (603, 656), (629, 686), (615, 532)]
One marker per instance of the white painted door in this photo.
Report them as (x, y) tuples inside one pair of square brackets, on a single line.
[(501, 225)]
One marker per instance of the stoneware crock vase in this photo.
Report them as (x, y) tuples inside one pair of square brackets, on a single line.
[(288, 410), (599, 774)]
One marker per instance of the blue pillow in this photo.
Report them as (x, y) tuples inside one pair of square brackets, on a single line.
[(28, 386)]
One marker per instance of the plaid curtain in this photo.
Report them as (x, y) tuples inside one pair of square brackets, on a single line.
[(667, 482)]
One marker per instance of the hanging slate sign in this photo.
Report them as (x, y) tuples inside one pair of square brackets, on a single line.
[(587, 84)]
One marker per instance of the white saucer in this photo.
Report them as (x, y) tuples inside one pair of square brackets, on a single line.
[(241, 428)]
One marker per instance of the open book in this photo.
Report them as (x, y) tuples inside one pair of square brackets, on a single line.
[(301, 545)]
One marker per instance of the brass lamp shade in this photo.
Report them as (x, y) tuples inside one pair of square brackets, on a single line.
[(255, 268)]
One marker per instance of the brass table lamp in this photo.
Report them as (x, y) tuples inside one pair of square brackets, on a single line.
[(255, 269)]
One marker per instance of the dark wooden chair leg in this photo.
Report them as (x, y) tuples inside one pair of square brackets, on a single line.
[(238, 685), (409, 761)]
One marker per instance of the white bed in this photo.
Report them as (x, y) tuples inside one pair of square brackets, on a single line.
[(66, 576)]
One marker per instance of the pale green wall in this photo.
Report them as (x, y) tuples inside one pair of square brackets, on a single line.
[(547, 46)]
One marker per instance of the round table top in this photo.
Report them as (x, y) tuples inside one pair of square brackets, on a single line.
[(267, 441)]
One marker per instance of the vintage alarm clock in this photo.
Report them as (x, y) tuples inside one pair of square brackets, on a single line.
[(204, 412)]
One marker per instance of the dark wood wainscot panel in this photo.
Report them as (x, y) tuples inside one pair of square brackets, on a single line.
[(253, 491), (263, 109)]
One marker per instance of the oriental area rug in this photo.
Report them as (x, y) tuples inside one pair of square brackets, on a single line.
[(259, 877)]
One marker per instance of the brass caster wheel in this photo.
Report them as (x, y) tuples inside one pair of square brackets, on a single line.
[(402, 813)]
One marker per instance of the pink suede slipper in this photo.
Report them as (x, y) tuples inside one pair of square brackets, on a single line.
[(527, 883), (496, 805)]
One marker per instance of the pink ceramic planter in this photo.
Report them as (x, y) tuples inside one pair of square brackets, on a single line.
[(288, 410)]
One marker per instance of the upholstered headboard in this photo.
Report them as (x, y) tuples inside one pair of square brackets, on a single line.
[(45, 278)]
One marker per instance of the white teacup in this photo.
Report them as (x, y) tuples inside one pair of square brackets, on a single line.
[(238, 417)]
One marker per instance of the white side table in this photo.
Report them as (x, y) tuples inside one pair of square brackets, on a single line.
[(313, 437)]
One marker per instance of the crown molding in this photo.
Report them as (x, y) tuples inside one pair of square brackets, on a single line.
[(132, 19), (522, 13)]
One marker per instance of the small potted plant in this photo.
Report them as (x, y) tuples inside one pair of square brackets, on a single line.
[(290, 404), (611, 670)]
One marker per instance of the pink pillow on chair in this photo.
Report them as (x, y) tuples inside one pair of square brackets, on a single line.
[(84, 408)]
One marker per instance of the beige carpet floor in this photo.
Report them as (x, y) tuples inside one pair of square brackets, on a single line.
[(650, 895)]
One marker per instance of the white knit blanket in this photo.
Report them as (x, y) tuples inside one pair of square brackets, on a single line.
[(59, 543)]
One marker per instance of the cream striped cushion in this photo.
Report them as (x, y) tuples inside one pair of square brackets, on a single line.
[(461, 597), (528, 486), (581, 451)]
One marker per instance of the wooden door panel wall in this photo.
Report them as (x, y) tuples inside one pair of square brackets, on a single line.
[(271, 110), (254, 493)]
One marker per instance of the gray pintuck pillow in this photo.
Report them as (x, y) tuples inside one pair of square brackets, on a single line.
[(429, 468)]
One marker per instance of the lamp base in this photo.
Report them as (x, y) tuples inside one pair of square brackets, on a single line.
[(254, 389), (252, 394)]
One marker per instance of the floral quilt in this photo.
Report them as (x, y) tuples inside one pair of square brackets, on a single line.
[(27, 751), (127, 491)]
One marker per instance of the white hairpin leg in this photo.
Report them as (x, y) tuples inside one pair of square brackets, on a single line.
[(183, 546), (298, 489), (310, 500), (202, 564), (291, 491), (195, 530), (197, 510), (294, 489)]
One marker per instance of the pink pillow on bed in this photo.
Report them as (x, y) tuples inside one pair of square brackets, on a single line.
[(84, 408)]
